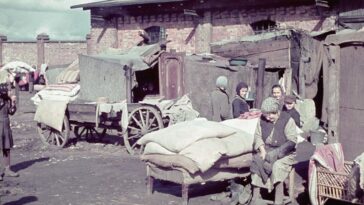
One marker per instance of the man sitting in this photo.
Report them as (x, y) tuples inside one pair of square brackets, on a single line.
[(275, 140)]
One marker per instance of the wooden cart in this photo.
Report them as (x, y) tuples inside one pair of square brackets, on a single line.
[(81, 119), (109, 77)]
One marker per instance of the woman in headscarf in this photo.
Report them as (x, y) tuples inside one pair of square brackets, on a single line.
[(240, 106), (7, 107), (220, 101)]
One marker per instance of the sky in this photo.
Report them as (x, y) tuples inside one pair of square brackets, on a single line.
[(25, 19)]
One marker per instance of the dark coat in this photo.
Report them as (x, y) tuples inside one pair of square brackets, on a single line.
[(239, 106), (294, 114), (6, 109), (221, 108)]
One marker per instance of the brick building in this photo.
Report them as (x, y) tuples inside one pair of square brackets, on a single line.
[(192, 25)]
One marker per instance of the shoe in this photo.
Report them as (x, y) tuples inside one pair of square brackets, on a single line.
[(1, 177), (9, 173)]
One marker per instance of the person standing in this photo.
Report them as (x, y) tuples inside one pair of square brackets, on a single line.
[(220, 100), (7, 107), (289, 107), (275, 140), (239, 105)]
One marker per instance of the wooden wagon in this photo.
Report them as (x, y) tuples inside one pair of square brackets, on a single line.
[(110, 77)]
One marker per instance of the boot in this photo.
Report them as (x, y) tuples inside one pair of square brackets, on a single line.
[(9, 173), (278, 197)]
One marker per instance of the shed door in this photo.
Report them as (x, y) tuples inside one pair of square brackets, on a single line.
[(351, 123), (171, 75)]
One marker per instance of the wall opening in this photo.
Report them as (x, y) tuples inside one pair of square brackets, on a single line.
[(263, 26), (155, 34)]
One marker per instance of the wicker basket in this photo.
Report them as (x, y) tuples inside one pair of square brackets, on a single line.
[(332, 185)]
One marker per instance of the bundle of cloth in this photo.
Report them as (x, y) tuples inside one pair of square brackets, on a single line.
[(199, 145), (57, 92)]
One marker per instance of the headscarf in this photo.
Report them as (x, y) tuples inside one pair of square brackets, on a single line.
[(269, 105), (240, 86), (222, 82)]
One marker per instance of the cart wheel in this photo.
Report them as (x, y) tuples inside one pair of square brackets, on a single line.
[(52, 137), (89, 132), (142, 120)]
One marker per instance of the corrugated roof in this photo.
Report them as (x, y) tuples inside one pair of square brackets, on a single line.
[(110, 3)]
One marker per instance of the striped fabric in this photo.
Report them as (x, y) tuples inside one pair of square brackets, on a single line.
[(61, 87), (330, 156), (69, 76)]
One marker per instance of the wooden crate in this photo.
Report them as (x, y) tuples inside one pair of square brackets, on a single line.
[(332, 185)]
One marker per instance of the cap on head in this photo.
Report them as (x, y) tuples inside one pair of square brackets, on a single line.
[(290, 99), (222, 82), (270, 105)]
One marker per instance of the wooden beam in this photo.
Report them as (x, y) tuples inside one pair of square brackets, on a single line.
[(260, 83)]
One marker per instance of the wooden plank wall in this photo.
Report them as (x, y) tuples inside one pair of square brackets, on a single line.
[(351, 124)]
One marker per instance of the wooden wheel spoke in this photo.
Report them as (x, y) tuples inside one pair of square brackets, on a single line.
[(153, 129), (136, 136), (134, 128), (147, 123), (83, 130), (152, 121), (142, 118), (57, 140), (137, 122)]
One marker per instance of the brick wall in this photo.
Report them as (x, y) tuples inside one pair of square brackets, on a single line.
[(58, 53), (190, 35), (55, 52), (20, 51)]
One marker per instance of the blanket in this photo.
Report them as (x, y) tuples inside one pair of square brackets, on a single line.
[(330, 156), (57, 92), (360, 161), (51, 113)]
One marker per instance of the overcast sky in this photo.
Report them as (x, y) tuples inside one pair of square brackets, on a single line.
[(24, 19)]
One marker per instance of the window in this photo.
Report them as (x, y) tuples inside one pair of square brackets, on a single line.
[(263, 26), (156, 34)]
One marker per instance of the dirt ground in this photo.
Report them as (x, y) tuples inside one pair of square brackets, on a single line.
[(83, 173)]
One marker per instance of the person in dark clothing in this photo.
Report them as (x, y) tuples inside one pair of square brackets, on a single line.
[(275, 140), (220, 100), (7, 107), (289, 107), (240, 106)]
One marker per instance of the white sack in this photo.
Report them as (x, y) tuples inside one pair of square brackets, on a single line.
[(246, 125), (177, 137), (239, 143), (205, 152), (154, 148)]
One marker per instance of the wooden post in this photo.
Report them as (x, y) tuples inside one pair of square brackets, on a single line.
[(41, 40), (301, 80), (333, 98), (2, 39), (260, 83), (128, 76), (288, 80), (31, 82)]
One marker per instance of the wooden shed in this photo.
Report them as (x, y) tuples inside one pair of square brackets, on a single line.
[(280, 49), (343, 90)]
